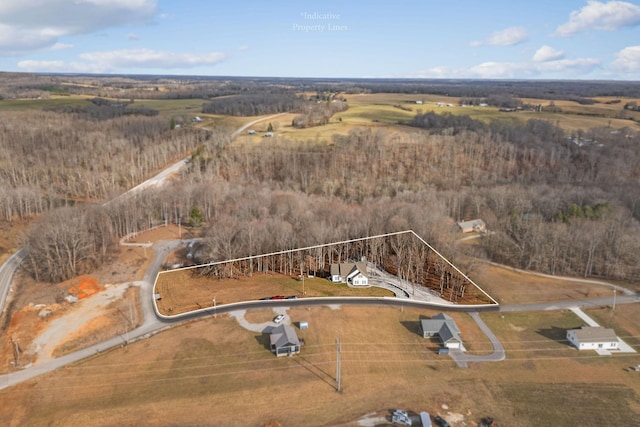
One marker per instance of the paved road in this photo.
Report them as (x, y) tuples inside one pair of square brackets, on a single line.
[(248, 125), (7, 270), (560, 305), (462, 358), (151, 325)]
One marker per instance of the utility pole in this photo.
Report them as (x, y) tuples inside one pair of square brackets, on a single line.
[(215, 315), (338, 364), (614, 300)]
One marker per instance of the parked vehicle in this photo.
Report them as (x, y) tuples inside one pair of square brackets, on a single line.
[(279, 318), (441, 421), (278, 297), (425, 419), (401, 420), (292, 297)]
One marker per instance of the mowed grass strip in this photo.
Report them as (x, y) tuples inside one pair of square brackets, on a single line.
[(183, 290)]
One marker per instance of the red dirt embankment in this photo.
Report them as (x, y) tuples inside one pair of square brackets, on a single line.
[(82, 286)]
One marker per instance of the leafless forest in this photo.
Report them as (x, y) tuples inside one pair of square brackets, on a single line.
[(555, 202)]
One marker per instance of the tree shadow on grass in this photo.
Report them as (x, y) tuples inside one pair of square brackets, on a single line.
[(556, 334), (264, 339), (315, 370), (412, 326)]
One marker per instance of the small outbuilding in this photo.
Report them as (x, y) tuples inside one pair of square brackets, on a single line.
[(284, 341), (593, 338)]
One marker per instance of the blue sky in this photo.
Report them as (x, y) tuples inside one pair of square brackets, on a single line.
[(543, 39)]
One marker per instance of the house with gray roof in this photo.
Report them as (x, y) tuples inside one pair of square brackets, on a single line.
[(352, 273), (284, 341), (593, 338), (443, 327)]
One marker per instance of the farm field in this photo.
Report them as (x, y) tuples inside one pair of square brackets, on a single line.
[(382, 110), (212, 370)]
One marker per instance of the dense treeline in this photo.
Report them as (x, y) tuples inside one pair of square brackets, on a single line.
[(318, 114), (102, 109), (255, 104), (555, 207), (22, 85), (557, 202), (578, 91), (49, 159)]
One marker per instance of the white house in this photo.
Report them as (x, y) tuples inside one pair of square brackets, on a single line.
[(444, 327), (593, 338), (352, 273)]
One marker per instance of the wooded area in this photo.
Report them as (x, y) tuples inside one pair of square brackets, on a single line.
[(556, 202)]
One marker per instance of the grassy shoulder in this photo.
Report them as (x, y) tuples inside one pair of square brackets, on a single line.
[(182, 291), (214, 371)]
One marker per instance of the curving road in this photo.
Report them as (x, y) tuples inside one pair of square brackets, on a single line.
[(7, 270), (154, 323)]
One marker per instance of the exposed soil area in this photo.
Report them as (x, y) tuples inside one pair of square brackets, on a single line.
[(43, 324)]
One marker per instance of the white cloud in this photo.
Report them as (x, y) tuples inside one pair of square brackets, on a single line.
[(547, 53), (578, 66), (441, 72), (516, 70), (133, 37), (243, 47), (507, 37), (58, 67), (501, 70), (596, 15), (627, 60), (61, 46), (147, 58), (27, 25)]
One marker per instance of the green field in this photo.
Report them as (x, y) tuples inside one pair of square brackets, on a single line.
[(37, 104)]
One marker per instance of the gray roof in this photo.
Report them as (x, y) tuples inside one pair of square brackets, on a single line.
[(283, 336), (344, 269), (447, 333), (442, 325), (595, 334)]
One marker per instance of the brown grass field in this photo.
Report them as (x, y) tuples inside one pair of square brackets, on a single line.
[(510, 287), (181, 291), (374, 110), (213, 372)]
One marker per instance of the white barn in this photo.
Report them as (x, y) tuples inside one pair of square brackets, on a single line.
[(593, 338)]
